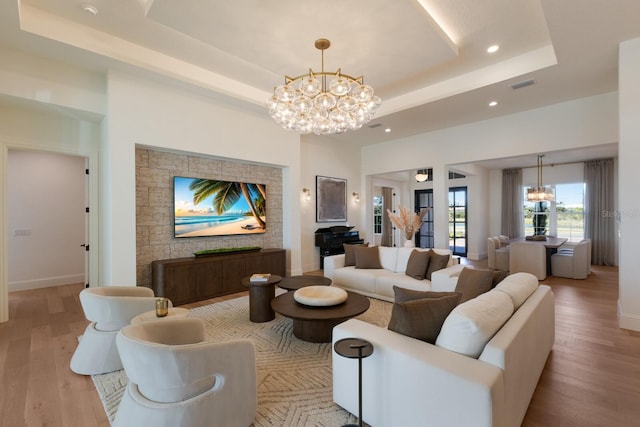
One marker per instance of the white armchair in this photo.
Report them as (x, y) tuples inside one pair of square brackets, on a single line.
[(573, 264), (528, 257), (108, 308), (178, 379), (497, 254)]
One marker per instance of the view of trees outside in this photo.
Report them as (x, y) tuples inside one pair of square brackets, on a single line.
[(565, 215)]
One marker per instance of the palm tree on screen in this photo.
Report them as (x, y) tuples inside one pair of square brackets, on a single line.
[(226, 194)]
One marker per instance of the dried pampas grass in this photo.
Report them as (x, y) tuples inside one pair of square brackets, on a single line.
[(407, 221)]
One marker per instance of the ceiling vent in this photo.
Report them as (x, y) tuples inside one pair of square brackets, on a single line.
[(525, 83), (375, 125)]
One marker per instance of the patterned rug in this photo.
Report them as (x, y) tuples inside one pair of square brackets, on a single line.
[(294, 376)]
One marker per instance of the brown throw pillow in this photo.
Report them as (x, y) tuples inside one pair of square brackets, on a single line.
[(498, 276), (417, 264), (436, 262), (349, 254), (473, 282), (406, 295), (367, 257), (422, 318)]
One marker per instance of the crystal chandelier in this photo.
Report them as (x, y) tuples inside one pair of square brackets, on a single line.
[(540, 193), (306, 104)]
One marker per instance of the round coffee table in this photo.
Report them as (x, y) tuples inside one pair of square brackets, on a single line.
[(260, 296), (294, 283), (315, 324)]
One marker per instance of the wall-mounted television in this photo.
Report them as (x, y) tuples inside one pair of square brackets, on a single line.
[(211, 207)]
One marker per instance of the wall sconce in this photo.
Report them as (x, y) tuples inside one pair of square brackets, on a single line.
[(356, 197), (307, 193)]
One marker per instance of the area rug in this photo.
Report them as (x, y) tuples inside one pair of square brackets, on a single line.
[(294, 376)]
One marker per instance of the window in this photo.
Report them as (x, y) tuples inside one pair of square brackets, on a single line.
[(377, 214), (570, 211), (563, 217)]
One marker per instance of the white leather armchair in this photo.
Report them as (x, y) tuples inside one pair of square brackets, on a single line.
[(109, 308), (178, 379), (528, 257), (573, 264), (497, 254)]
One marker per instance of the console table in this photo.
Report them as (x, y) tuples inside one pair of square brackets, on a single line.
[(185, 280)]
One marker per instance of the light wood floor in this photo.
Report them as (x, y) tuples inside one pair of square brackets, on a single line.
[(592, 377)]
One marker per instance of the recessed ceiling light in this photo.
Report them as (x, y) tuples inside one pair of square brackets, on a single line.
[(493, 49), (90, 9), (493, 103), (387, 130)]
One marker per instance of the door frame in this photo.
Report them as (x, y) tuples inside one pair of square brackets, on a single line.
[(92, 238)]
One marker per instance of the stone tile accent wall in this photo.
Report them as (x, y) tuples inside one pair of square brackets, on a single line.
[(154, 206)]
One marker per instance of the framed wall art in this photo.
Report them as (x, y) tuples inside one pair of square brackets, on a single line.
[(331, 199)]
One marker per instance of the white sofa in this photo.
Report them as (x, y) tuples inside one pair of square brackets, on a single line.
[(411, 382), (378, 283)]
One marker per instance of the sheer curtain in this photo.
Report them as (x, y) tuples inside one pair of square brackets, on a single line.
[(598, 178), (512, 215), (387, 201)]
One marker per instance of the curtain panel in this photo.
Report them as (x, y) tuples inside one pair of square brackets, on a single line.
[(387, 202), (512, 214), (599, 225)]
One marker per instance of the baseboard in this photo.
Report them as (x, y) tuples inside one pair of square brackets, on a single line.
[(25, 285), (628, 321)]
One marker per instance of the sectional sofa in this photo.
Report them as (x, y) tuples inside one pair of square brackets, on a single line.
[(481, 371)]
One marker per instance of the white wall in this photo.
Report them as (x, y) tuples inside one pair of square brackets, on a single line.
[(164, 117), (45, 212), (327, 157), (629, 202)]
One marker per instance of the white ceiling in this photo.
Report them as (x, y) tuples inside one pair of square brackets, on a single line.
[(426, 59)]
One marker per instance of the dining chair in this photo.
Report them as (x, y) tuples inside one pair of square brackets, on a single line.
[(528, 257), (574, 264)]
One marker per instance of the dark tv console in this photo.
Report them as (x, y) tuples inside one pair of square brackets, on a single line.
[(185, 280)]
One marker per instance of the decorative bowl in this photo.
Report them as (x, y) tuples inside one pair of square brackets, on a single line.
[(320, 296)]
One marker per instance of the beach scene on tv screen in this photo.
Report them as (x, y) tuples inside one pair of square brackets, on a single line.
[(207, 207)]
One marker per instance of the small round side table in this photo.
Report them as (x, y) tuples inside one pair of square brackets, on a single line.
[(355, 348), (149, 316), (260, 296)]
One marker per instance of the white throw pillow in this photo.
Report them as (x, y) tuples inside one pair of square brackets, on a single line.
[(388, 257), (471, 325), (519, 286)]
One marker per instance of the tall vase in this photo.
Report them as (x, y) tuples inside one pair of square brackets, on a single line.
[(409, 243)]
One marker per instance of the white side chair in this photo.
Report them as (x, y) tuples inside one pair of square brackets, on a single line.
[(497, 254), (528, 257), (574, 264), (178, 379), (108, 308)]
